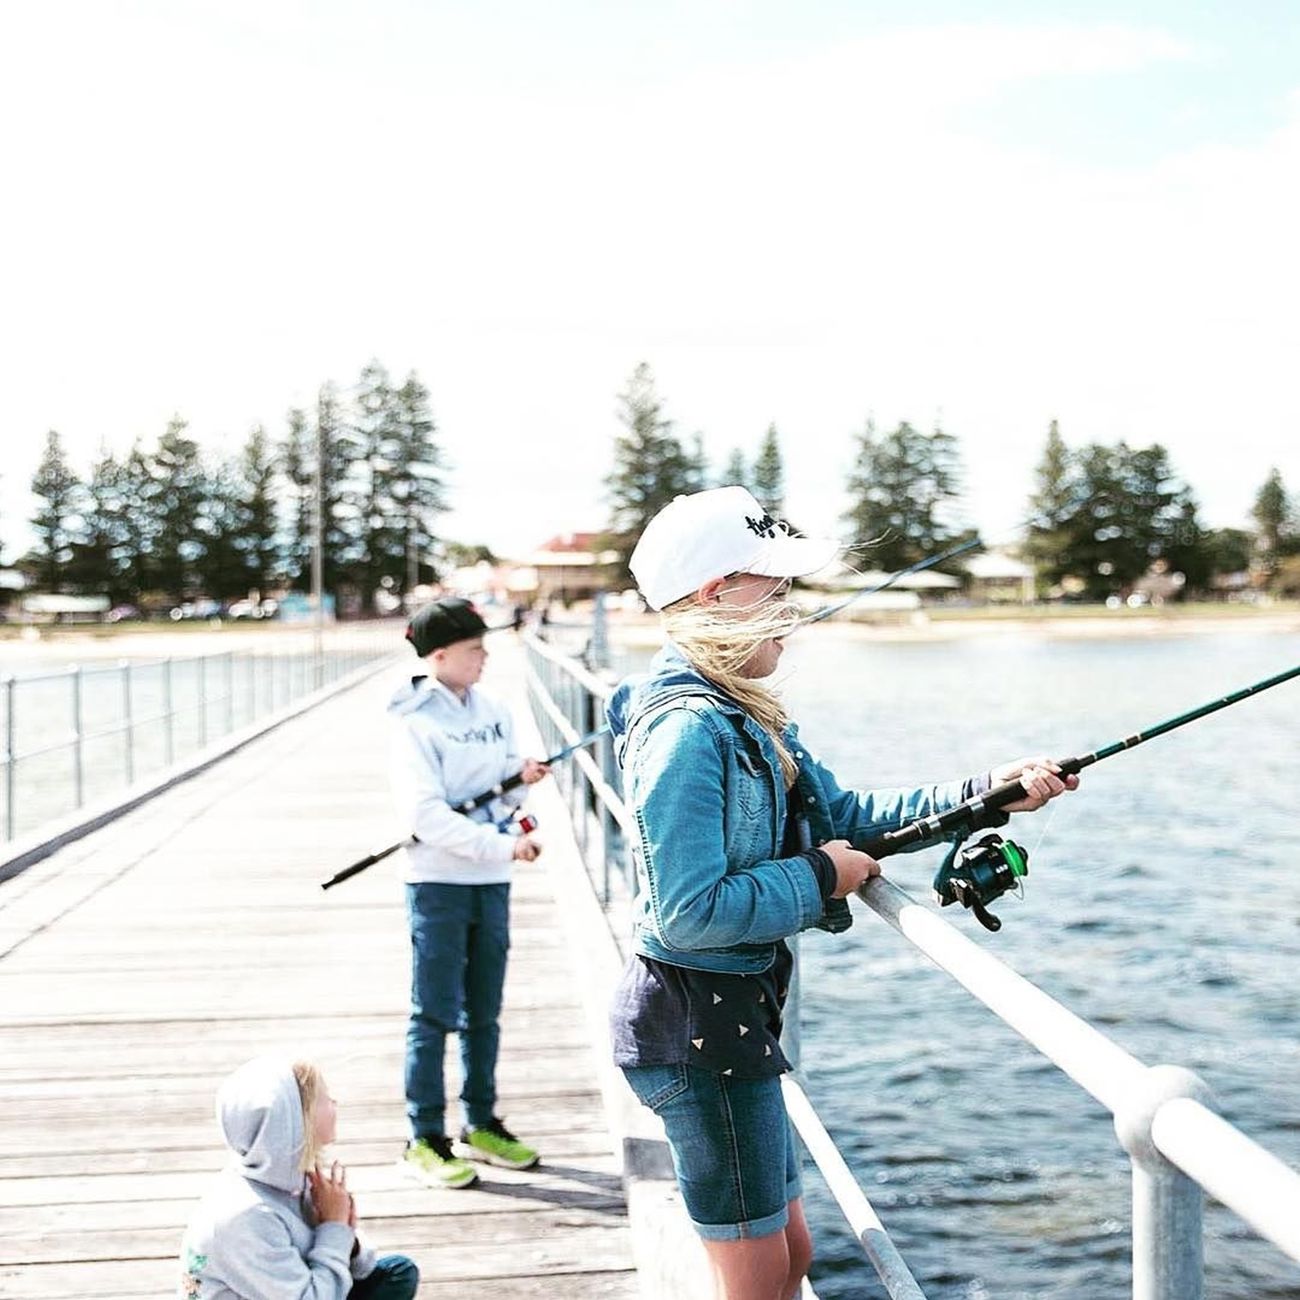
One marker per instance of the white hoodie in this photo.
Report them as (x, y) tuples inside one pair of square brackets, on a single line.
[(446, 750), (255, 1233)]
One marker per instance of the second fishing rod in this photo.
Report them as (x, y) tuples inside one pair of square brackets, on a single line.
[(977, 875)]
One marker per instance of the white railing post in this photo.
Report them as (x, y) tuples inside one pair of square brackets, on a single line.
[(1167, 1205), (10, 759)]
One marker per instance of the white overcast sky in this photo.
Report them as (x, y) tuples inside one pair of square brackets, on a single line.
[(801, 214)]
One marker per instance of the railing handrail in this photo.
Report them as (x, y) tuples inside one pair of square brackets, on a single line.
[(1160, 1112), (279, 671)]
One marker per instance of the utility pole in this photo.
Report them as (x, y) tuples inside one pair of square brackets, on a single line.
[(318, 562)]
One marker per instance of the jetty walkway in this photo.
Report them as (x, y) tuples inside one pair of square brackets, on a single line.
[(141, 963)]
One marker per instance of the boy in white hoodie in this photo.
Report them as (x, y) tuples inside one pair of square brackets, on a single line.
[(451, 742), (273, 1224)]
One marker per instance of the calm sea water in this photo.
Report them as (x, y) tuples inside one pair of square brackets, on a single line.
[(1163, 906)]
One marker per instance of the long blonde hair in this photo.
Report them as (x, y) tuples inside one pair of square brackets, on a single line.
[(720, 640), (310, 1087)]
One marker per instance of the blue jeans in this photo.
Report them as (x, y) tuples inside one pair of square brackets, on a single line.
[(460, 935), (732, 1147), (394, 1278)]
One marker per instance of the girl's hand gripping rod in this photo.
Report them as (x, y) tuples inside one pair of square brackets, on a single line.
[(993, 867), (467, 806)]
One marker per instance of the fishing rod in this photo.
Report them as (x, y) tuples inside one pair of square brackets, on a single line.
[(986, 870), (919, 567), (467, 806)]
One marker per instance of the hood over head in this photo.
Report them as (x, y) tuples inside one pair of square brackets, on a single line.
[(259, 1109)]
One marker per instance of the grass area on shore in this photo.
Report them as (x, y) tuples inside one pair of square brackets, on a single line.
[(1178, 610)]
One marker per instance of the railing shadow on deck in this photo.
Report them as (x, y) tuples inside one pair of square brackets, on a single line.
[(1178, 1145)]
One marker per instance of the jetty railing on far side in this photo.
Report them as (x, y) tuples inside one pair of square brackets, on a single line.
[(1179, 1147), (71, 736)]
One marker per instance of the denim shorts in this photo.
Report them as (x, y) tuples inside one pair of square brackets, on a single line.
[(732, 1145)]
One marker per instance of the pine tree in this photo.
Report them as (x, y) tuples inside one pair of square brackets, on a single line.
[(1052, 507), (341, 525), (417, 487), (697, 464), (241, 548), (137, 527), (98, 564), (650, 466), (380, 531), (1272, 515), (297, 461), (58, 490), (256, 482), (904, 487), (175, 498), (735, 472), (769, 474)]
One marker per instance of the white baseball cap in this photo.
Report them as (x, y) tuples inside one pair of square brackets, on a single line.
[(714, 534)]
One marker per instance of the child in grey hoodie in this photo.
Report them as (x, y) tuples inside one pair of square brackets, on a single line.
[(274, 1226)]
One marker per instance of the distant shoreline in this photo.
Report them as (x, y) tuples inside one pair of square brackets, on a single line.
[(1082, 622)]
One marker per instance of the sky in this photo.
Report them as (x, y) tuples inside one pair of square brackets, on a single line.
[(801, 215)]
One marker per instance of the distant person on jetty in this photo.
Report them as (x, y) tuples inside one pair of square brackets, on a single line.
[(745, 840), (275, 1223), (451, 742)]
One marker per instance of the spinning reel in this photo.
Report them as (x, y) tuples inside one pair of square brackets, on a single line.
[(980, 873)]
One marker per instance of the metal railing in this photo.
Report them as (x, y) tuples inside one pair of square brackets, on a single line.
[(1178, 1146), (71, 736)]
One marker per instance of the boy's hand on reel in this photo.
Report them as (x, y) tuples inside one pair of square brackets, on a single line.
[(526, 849), (852, 868)]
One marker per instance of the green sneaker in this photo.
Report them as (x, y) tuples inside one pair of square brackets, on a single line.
[(496, 1145), (432, 1162)]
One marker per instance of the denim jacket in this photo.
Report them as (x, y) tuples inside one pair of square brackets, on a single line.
[(705, 784)]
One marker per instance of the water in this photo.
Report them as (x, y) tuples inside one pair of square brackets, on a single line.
[(1163, 906)]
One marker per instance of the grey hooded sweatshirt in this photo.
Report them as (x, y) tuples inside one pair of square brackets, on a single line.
[(254, 1235)]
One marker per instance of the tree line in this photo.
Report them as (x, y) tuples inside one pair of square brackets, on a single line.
[(167, 521), (1098, 519)]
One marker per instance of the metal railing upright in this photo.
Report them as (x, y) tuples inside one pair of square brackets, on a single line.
[(1178, 1146), (83, 732)]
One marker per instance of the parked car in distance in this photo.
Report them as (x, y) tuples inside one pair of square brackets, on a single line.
[(202, 608), (251, 609)]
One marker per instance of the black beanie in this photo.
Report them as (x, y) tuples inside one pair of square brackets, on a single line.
[(443, 622)]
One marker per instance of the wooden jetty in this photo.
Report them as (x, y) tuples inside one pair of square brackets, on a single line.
[(140, 964)]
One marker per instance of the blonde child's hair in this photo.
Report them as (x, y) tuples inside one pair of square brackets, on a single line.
[(720, 639), (310, 1087)]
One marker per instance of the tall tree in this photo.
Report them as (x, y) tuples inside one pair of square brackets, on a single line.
[(376, 432), (1272, 515), (697, 464), (1052, 505), (224, 571), (769, 474), (241, 548), (57, 489), (341, 525), (417, 486), (735, 472), (176, 494), (650, 466), (137, 525), (98, 563), (255, 476), (904, 487), (297, 461)]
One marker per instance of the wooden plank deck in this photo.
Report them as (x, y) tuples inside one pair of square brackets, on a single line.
[(142, 963)]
